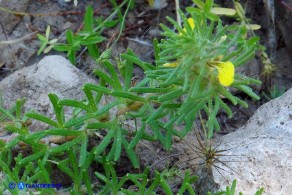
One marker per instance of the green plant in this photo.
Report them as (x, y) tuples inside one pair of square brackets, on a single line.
[(88, 37), (275, 92), (230, 190), (194, 67), (113, 184)]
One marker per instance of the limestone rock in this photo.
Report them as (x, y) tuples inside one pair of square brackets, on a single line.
[(262, 149), (53, 74)]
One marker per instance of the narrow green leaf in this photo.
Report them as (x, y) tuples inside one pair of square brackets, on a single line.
[(106, 78), (248, 91), (113, 73), (111, 23), (74, 103), (155, 115), (165, 186), (92, 49), (240, 11), (127, 72), (199, 3), (131, 154), (71, 55), (88, 19), (102, 177), (212, 16), (61, 47), (14, 129), (88, 161), (73, 162), (135, 60), (48, 30), (223, 11), (165, 105), (90, 98), (150, 90), (228, 95), (156, 50), (12, 143), (233, 186), (138, 136), (111, 154), (35, 177), (128, 95), (169, 133), (172, 95), (77, 121), (65, 146), (184, 113), (5, 168), (87, 182), (174, 23), (69, 37), (59, 112), (45, 174), (105, 142), (42, 38), (28, 169), (243, 60), (63, 132), (100, 125), (63, 166), (97, 88), (118, 140), (106, 108), (33, 157), (42, 118), (7, 113), (91, 41), (226, 108), (120, 15), (208, 5), (140, 113), (154, 184)]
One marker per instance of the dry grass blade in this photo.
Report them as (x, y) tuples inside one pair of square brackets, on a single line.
[(8, 42), (209, 157)]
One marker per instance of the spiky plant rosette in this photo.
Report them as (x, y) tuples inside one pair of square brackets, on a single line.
[(198, 62)]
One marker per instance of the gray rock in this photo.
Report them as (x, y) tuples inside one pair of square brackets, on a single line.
[(53, 74), (262, 151)]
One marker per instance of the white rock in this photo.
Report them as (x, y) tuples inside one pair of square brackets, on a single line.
[(264, 147), (53, 74)]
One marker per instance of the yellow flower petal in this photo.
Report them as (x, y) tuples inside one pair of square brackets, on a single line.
[(191, 23), (171, 64), (225, 73)]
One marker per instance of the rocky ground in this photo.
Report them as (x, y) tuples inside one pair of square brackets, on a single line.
[(270, 126)]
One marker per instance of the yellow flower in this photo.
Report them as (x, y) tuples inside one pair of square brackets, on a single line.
[(191, 23), (171, 64), (225, 73)]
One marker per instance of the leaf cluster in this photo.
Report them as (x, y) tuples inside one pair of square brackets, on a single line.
[(89, 36), (193, 85)]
